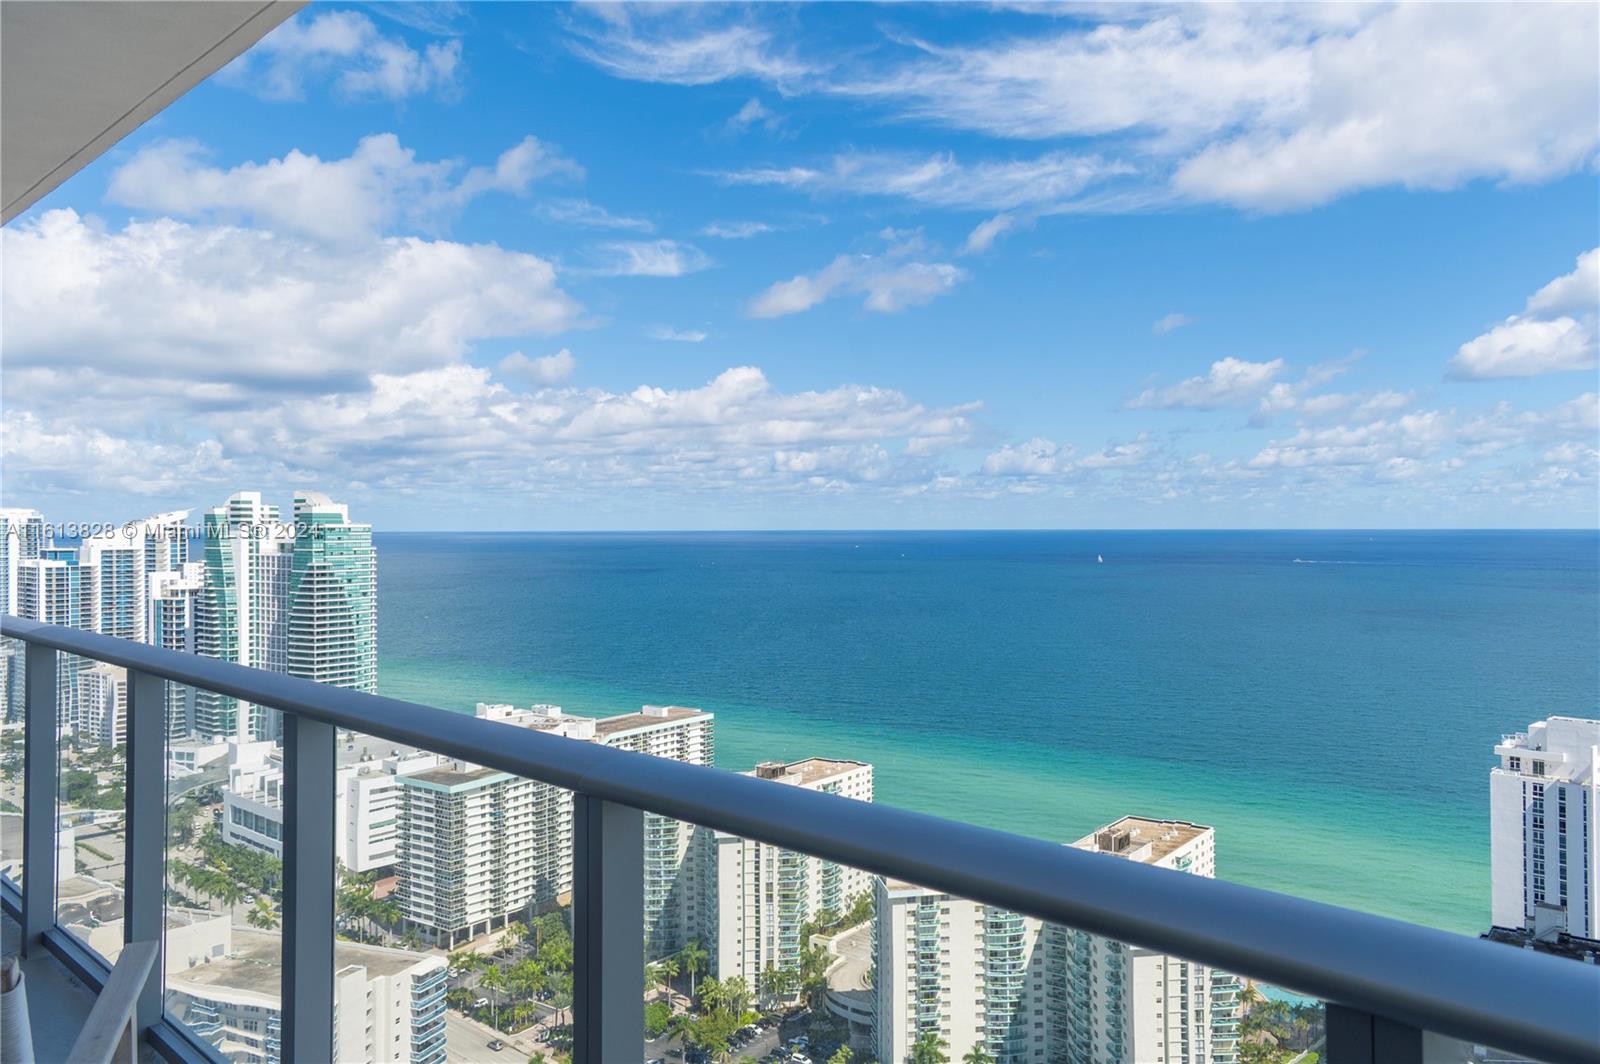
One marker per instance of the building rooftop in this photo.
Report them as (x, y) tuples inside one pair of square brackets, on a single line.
[(809, 771), (253, 969), (1559, 944), (451, 775), (1131, 834), (650, 715)]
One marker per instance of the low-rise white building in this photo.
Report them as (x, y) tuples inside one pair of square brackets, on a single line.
[(103, 704), (1544, 826), (366, 803)]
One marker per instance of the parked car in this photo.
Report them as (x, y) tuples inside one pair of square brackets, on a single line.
[(496, 1045), (481, 1003)]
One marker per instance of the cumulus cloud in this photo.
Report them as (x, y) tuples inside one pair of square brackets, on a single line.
[(1263, 107), (547, 369), (1230, 382), (1556, 332), (1168, 322), (647, 258), (381, 183), (247, 307), (345, 49)]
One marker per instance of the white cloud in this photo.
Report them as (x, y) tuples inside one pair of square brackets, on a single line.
[(642, 46), (381, 183), (1546, 338), (647, 258), (583, 213), (889, 281), (736, 230), (346, 48), (753, 113), (1577, 292), (668, 334), (985, 233), (547, 369), (248, 308), (941, 180), (1168, 322), (1265, 107), (1230, 382)]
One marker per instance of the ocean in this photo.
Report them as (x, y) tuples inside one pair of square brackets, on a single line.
[(1328, 701)]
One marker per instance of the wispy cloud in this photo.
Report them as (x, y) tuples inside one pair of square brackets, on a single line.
[(1168, 322), (581, 212), (737, 230), (647, 258), (668, 334), (889, 281), (1230, 382), (346, 50)]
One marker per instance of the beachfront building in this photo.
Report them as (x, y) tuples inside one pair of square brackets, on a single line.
[(760, 896), (223, 983), (1026, 992), (478, 847), (242, 615), (22, 537), (332, 596), (1544, 825)]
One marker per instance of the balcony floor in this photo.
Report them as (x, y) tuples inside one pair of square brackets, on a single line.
[(58, 1003)]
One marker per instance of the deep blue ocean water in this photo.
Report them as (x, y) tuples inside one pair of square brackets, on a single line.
[(1327, 700)]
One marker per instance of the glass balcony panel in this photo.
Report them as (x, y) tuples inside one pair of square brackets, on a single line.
[(12, 739), (91, 819), (224, 877)]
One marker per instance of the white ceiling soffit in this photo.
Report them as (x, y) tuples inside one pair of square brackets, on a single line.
[(76, 77)]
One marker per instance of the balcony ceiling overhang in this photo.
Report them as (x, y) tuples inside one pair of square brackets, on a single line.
[(75, 78)]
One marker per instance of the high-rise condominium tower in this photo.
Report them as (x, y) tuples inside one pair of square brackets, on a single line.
[(240, 615), (1026, 992), (57, 589), (333, 596), (171, 623), (22, 537), (759, 896), (1544, 826)]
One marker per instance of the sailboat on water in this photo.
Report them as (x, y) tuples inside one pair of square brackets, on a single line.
[(1100, 559)]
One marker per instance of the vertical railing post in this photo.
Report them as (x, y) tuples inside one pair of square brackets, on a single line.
[(607, 931), (308, 889), (1357, 1037), (144, 878), (39, 794)]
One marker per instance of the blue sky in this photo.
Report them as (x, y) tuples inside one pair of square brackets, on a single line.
[(534, 266)]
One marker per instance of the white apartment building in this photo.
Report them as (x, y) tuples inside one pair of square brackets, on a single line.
[(1027, 992), (103, 705), (366, 804), (477, 845), (760, 895), (222, 983), (1544, 826)]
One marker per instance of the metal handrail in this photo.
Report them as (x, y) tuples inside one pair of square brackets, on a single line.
[(1427, 979)]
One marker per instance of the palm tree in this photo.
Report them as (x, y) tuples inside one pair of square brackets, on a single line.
[(693, 957), (842, 1056), (262, 915), (667, 970), (929, 1049), (494, 981), (977, 1055)]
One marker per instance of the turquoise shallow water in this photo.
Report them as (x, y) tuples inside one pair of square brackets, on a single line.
[(1328, 701)]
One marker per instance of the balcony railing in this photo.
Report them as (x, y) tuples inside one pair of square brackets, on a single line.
[(1386, 982)]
